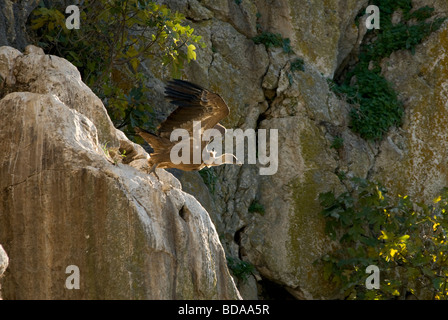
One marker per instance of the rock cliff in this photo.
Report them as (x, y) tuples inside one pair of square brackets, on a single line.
[(263, 91), (71, 198), (13, 16), (80, 189), (4, 261)]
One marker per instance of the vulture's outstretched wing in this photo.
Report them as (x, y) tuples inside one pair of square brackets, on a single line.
[(194, 104)]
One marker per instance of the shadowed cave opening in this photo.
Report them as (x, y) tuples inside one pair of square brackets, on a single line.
[(269, 290)]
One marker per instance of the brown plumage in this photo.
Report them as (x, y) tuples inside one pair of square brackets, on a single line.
[(194, 103)]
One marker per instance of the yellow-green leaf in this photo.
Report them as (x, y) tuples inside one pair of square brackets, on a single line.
[(135, 63), (38, 23), (383, 236), (132, 52), (393, 252), (191, 54), (380, 194)]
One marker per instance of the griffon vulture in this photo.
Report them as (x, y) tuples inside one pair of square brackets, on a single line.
[(194, 103)]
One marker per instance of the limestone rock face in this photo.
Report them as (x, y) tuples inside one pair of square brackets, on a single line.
[(322, 32), (37, 72), (4, 261), (413, 158), (101, 194), (13, 16), (264, 92), (68, 199)]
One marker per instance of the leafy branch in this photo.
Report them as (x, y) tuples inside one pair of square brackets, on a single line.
[(114, 39), (407, 240)]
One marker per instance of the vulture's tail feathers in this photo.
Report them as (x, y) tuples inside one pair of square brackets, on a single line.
[(153, 140)]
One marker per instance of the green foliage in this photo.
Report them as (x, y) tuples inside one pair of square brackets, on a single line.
[(297, 65), (210, 178), (113, 39), (342, 175), (286, 45), (400, 36), (405, 239), (270, 39), (421, 14), (376, 107), (255, 206), (105, 149), (240, 269), (338, 143)]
